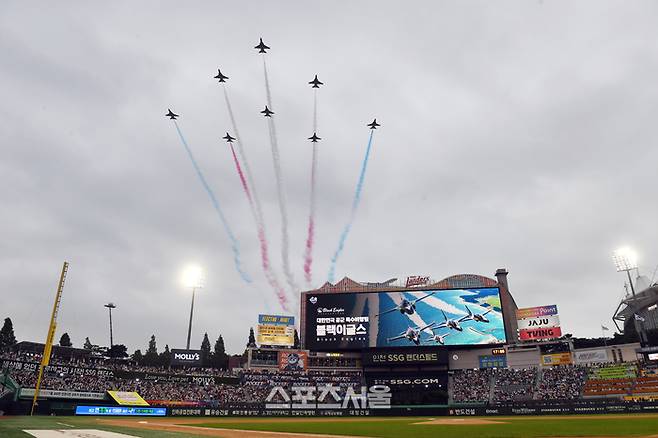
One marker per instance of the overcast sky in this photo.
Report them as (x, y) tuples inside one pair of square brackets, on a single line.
[(514, 134)]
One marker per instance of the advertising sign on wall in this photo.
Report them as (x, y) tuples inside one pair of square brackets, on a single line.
[(539, 322), (190, 358), (536, 323), (121, 411), (556, 359), (540, 333), (127, 398), (534, 312), (276, 330), (354, 321), (389, 358), (293, 360), (591, 356)]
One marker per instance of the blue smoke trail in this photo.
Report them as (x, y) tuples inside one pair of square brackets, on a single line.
[(234, 243), (355, 206)]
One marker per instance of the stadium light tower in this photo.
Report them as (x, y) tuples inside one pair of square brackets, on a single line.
[(625, 260), (192, 277), (110, 306)]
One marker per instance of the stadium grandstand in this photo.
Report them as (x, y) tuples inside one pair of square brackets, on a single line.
[(427, 370)]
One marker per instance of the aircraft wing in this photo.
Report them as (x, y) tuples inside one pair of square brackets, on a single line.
[(440, 325), (431, 324), (402, 336), (422, 298), (466, 317), (387, 311), (490, 310)]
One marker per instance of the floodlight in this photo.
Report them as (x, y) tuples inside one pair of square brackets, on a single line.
[(625, 259), (193, 276)]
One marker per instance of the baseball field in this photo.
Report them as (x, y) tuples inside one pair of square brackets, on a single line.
[(638, 425)]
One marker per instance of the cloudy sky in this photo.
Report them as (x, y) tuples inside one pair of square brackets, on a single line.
[(514, 134)]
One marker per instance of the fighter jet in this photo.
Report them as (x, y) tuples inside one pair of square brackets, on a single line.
[(228, 138), (220, 76), (267, 112), (374, 124), (316, 82), (406, 306), (479, 317), (171, 115), (261, 47), (412, 334), (439, 339), (453, 324), (314, 138)]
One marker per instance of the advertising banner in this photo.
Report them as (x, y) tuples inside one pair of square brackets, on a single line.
[(120, 411), (190, 358), (540, 333), (127, 398), (534, 312), (591, 356), (539, 322), (556, 359), (50, 393), (354, 321), (293, 360), (276, 330), (396, 357)]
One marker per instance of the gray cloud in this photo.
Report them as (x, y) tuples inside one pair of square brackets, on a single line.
[(515, 134)]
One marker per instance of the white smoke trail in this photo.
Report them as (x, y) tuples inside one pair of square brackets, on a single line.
[(256, 211), (276, 160)]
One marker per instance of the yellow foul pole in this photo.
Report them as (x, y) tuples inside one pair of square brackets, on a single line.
[(51, 335)]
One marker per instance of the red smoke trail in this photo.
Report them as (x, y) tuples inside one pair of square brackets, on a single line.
[(241, 174), (265, 259)]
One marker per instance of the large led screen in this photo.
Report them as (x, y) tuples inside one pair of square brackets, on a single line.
[(351, 321)]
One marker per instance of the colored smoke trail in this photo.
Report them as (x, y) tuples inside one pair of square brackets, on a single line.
[(355, 206), (279, 188), (256, 210), (310, 239), (265, 259), (234, 243), (241, 175)]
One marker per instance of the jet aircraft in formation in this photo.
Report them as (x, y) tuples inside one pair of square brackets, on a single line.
[(314, 138), (374, 124), (262, 48), (171, 115), (228, 138), (315, 83), (412, 334), (406, 306), (267, 112), (220, 76)]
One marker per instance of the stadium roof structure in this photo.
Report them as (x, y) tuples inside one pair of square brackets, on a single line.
[(641, 304), (452, 282)]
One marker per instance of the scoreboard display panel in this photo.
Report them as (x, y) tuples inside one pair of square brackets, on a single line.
[(409, 318)]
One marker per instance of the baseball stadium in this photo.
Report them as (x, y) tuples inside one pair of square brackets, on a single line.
[(417, 358)]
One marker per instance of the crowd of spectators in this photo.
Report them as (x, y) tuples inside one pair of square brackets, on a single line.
[(471, 385), (514, 384), (167, 384), (564, 382)]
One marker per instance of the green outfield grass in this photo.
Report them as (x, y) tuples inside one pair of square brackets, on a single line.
[(583, 426), (631, 425)]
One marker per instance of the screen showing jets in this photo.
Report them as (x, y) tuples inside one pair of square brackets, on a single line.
[(352, 321)]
